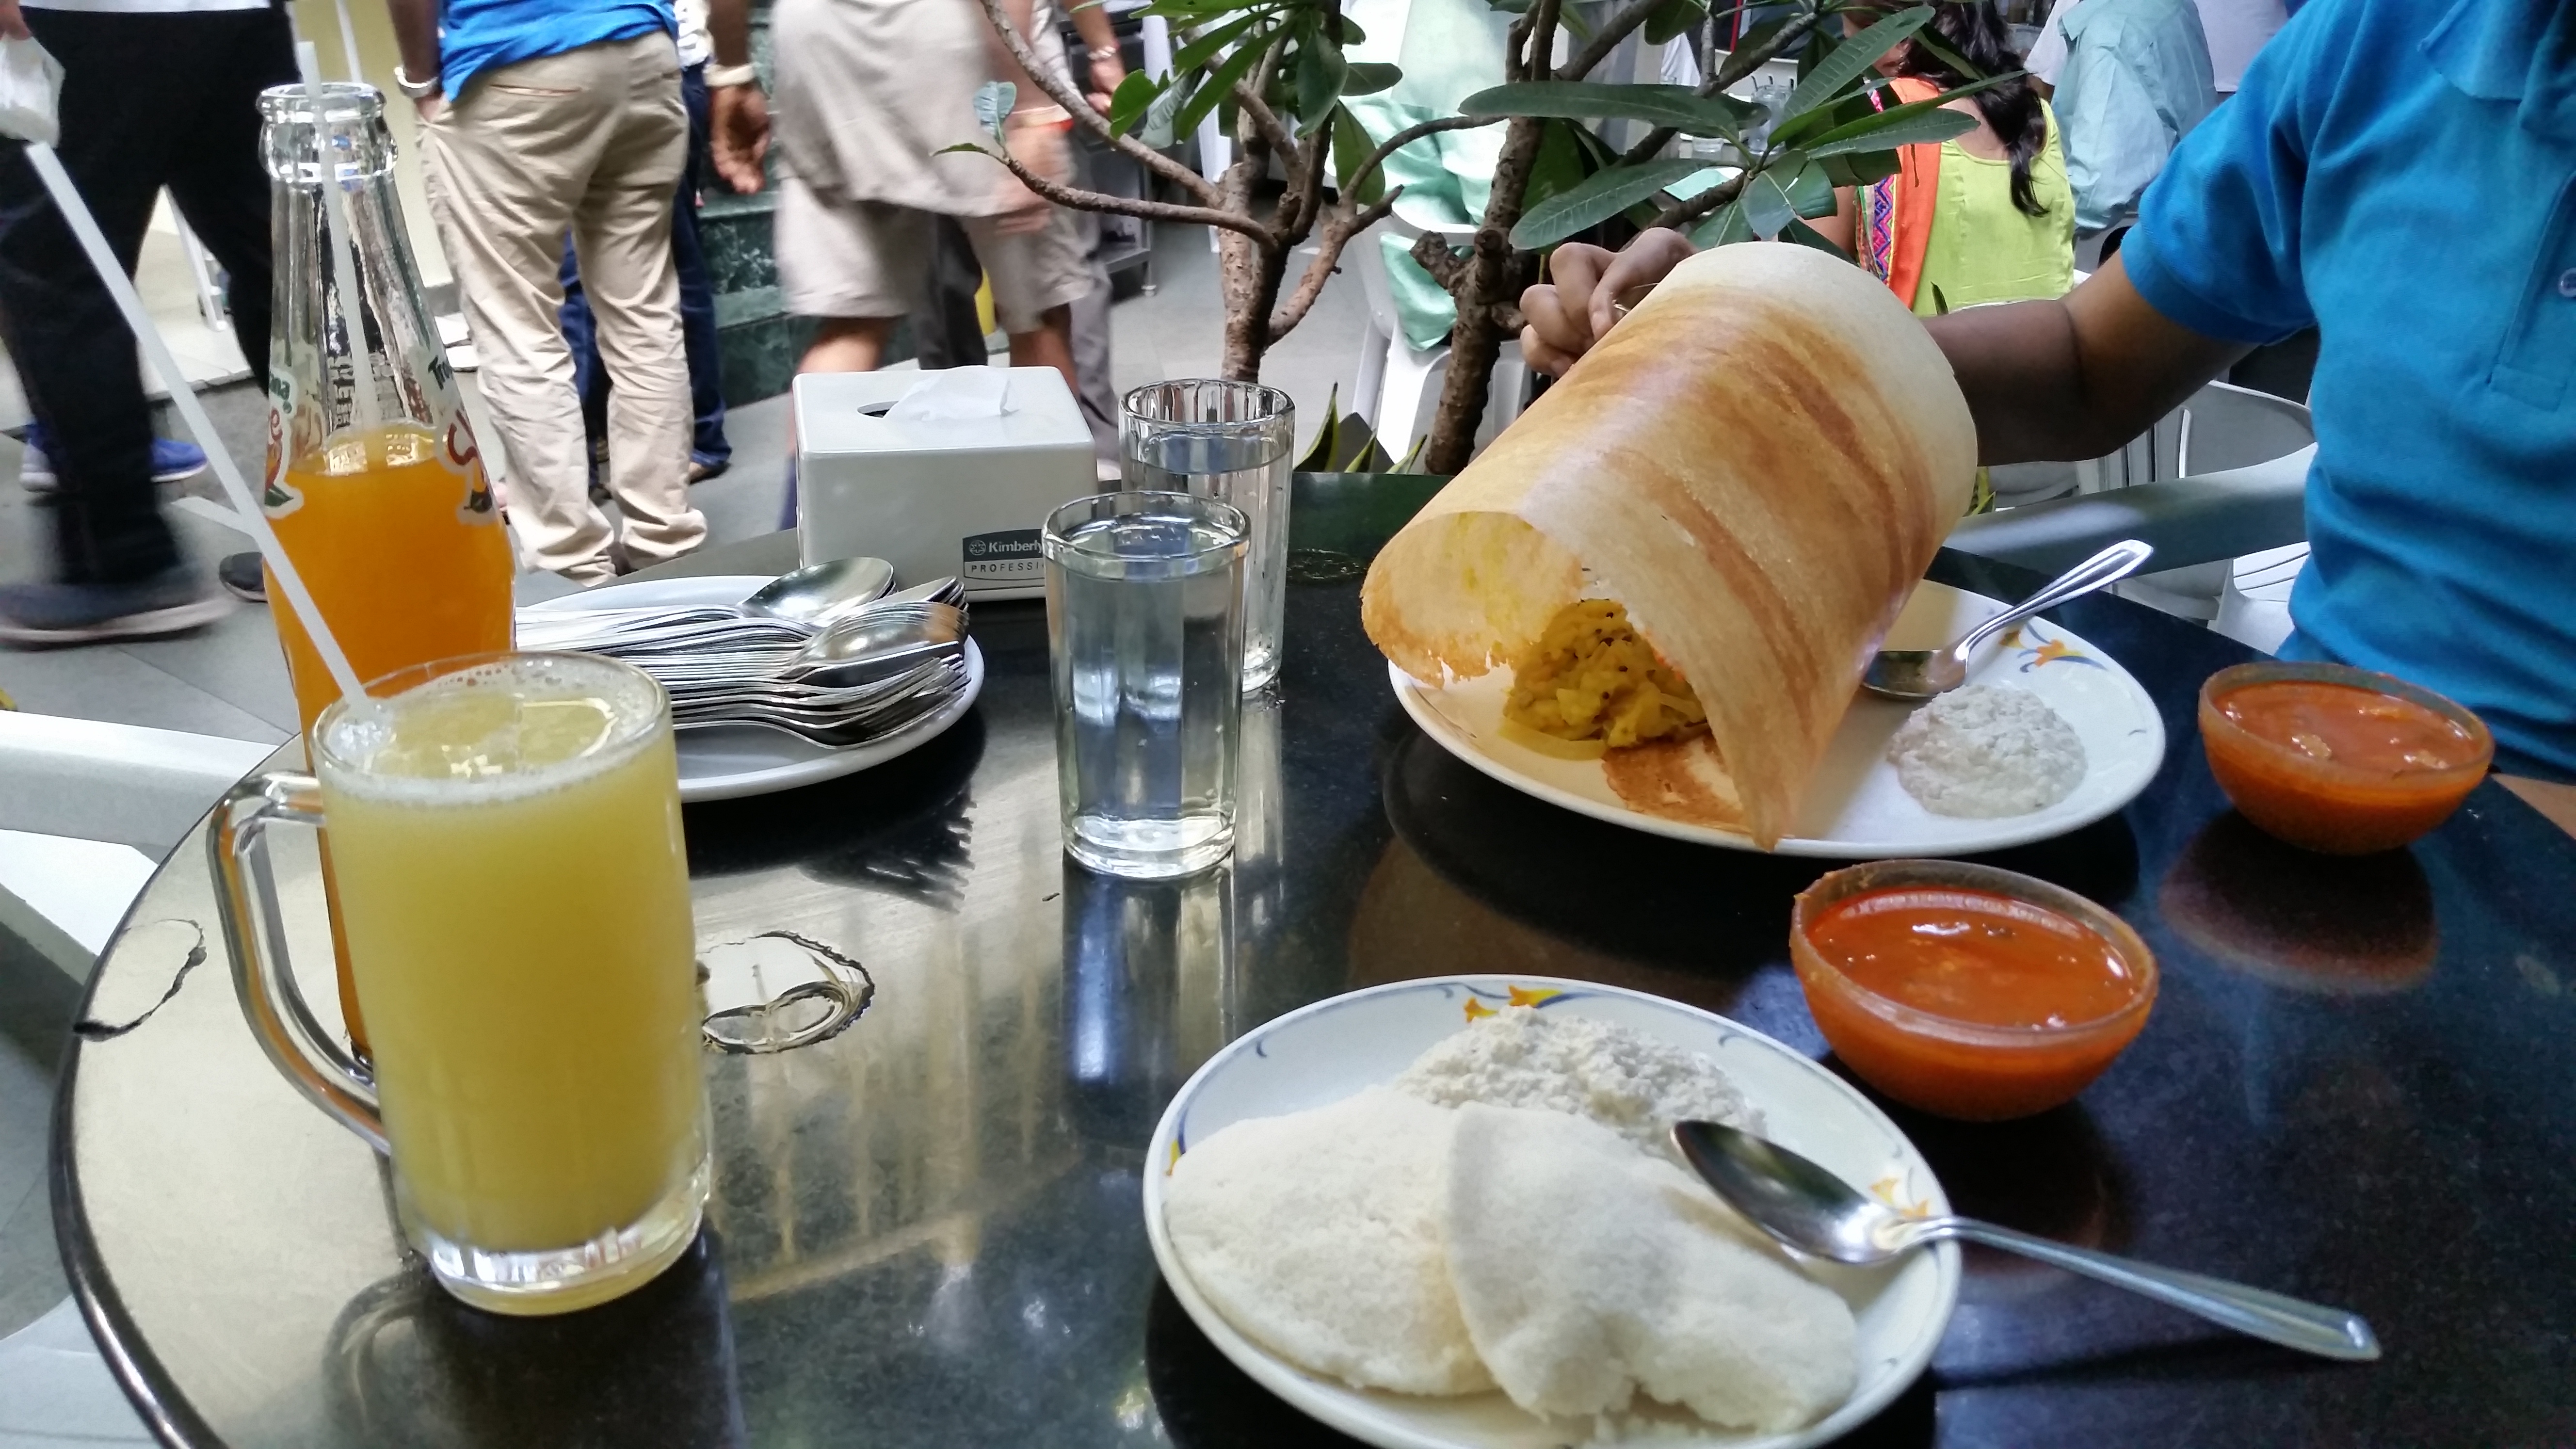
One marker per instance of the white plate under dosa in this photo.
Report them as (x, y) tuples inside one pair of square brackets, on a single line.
[(1854, 807), (731, 761), (1327, 1051)]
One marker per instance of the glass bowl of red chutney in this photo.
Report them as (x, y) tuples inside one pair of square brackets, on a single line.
[(2336, 759), (1967, 991)]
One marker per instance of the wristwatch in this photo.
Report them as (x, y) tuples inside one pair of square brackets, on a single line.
[(417, 90)]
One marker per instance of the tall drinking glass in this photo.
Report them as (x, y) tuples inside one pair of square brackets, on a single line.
[(1229, 441), (1145, 632), (515, 898)]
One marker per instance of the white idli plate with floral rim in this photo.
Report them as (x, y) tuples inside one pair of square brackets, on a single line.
[(1327, 1051), (1854, 808)]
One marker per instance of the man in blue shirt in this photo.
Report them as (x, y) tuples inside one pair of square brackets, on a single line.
[(541, 117), (2135, 82), (2402, 175)]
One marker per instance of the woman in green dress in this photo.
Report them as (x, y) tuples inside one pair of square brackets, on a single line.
[(1985, 217)]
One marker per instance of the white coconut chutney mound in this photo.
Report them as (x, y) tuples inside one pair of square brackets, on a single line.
[(1987, 750)]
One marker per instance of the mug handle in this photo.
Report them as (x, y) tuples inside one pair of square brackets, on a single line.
[(237, 848)]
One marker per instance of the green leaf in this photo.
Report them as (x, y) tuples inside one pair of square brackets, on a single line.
[(1319, 458), (1157, 130), (1351, 146), (1203, 48), (1320, 73), (1671, 19), (1860, 168), (1886, 130), (1766, 207), (993, 100), (1940, 303), (1807, 236), (1218, 84), (1368, 77), (964, 146), (1811, 192), (1135, 95), (1596, 200), (1679, 107), (1724, 227), (1966, 70), (1510, 7), (1822, 84), (1560, 164), (1869, 129)]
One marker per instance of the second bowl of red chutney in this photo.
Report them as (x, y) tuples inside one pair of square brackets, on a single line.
[(2336, 759), (1968, 991)]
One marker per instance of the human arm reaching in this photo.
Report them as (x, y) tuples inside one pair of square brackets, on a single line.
[(2074, 377)]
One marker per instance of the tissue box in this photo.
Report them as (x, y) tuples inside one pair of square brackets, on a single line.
[(962, 496)]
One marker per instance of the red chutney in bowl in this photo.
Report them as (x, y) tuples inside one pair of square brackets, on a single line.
[(2339, 760), (1968, 991)]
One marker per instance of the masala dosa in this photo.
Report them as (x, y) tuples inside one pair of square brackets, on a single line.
[(1759, 462)]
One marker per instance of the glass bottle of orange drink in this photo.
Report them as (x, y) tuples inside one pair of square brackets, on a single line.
[(374, 484)]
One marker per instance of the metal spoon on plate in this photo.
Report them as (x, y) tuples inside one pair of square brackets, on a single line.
[(803, 599), (1815, 1212), (1919, 674)]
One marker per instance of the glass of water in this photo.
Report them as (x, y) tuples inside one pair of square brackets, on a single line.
[(1145, 626), (1228, 441)]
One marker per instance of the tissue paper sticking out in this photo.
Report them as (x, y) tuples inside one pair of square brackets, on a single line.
[(953, 394)]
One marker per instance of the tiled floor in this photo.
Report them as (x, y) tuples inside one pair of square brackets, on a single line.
[(229, 680)]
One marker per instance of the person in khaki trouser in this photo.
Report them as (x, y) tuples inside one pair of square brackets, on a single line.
[(545, 116)]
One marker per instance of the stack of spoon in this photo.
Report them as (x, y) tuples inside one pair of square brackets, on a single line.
[(824, 653)]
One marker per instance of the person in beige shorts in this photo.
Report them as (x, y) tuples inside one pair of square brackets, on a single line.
[(542, 117), (869, 93)]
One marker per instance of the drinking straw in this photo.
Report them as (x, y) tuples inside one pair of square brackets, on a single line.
[(349, 41), (120, 286)]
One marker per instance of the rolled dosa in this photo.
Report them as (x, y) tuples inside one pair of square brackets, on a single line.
[(1759, 462)]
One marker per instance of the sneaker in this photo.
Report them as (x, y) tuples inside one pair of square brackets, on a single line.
[(170, 602), (172, 462), (243, 578)]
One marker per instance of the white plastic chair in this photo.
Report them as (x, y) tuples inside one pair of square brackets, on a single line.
[(2222, 427), (1398, 388)]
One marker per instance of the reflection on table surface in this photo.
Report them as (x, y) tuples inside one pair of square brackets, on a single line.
[(2357, 1087)]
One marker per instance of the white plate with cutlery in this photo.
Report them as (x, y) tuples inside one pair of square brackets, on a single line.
[(727, 762)]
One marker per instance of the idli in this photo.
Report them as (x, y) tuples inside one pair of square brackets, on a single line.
[(1317, 1235), (1588, 1272)]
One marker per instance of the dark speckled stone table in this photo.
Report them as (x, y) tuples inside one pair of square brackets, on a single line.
[(2359, 1086)]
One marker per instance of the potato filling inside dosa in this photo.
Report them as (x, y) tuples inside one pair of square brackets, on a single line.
[(1590, 677), (1758, 462)]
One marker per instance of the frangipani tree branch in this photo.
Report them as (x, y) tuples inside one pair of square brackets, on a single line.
[(1683, 213), (1413, 133), (1739, 64), (1078, 106), (1337, 232), (1606, 38), (1267, 122), (1146, 207)]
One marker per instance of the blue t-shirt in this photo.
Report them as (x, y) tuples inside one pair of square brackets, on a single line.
[(2401, 174), (478, 35)]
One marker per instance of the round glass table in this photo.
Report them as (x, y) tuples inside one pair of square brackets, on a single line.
[(2359, 1086)]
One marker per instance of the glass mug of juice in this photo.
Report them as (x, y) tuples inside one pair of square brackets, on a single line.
[(514, 896)]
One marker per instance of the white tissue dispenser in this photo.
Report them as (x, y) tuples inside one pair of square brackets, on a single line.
[(961, 496)]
